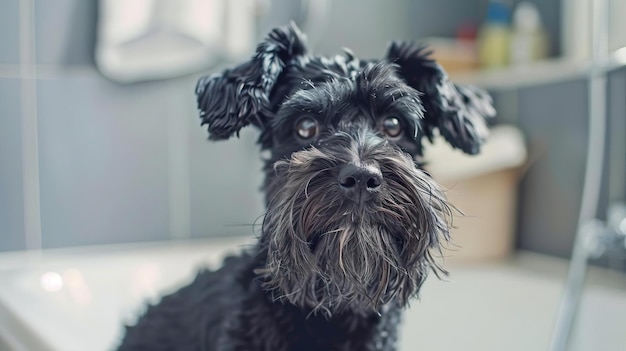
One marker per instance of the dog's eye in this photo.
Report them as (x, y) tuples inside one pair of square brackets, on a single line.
[(391, 127), (306, 128)]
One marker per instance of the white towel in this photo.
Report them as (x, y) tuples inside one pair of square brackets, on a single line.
[(142, 40)]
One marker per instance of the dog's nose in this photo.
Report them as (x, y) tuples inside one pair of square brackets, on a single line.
[(360, 181)]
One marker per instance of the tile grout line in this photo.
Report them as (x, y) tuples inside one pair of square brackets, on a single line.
[(44, 71), (30, 147)]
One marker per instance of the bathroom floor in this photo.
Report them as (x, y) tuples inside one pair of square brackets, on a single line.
[(77, 299)]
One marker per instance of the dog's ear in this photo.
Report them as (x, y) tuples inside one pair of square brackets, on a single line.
[(231, 100), (458, 111)]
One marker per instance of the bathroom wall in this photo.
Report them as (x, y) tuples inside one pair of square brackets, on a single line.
[(11, 199), (86, 161), (554, 120)]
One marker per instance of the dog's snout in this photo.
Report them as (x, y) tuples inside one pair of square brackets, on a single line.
[(357, 181)]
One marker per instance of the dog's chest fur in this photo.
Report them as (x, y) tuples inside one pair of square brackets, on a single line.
[(227, 310)]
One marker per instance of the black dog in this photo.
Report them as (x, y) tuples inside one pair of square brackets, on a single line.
[(352, 221)]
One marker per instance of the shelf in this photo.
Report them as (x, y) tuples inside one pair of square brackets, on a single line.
[(540, 73)]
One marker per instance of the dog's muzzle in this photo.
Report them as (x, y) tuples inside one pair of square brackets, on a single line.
[(351, 222)]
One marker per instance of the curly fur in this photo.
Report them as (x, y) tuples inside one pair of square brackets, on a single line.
[(331, 270), (358, 257), (457, 111), (235, 98)]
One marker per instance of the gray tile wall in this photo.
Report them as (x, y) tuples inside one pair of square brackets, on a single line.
[(103, 161), (366, 26), (65, 31), (554, 119), (116, 163), (125, 163), (427, 16), (226, 179), (9, 34), (615, 162), (11, 196), (130, 163)]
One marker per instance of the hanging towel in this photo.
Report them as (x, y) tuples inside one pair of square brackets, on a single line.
[(142, 40)]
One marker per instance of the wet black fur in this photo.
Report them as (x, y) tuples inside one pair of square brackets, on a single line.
[(328, 272)]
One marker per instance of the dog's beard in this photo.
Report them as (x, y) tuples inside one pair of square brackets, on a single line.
[(329, 254)]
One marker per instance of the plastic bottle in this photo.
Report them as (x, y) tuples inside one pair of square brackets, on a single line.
[(494, 36), (528, 40)]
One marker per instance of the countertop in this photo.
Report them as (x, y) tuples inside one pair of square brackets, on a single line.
[(77, 299)]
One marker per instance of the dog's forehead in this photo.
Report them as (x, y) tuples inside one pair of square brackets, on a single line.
[(326, 87), (346, 64), (330, 70)]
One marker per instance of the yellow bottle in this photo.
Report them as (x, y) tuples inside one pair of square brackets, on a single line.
[(494, 37)]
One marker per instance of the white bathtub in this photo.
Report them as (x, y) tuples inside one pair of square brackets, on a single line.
[(78, 299)]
